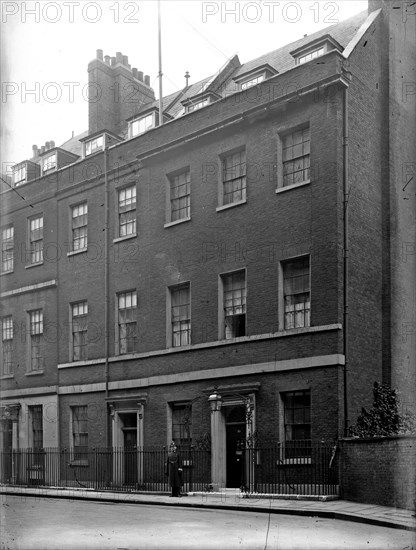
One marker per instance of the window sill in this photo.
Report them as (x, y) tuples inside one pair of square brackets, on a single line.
[(34, 372), (176, 222), (301, 461), (33, 265), (75, 463), (6, 376), (125, 238), (231, 205), (293, 186), (6, 272), (74, 252)]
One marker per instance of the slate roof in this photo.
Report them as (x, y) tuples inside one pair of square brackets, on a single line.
[(280, 59)]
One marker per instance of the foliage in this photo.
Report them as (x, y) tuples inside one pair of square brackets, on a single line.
[(384, 418)]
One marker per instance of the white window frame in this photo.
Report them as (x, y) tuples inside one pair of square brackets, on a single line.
[(36, 340), (287, 454), (171, 180), (74, 458), (170, 315), (7, 335), (128, 295), (308, 56), (123, 209), (94, 145), (224, 178), (252, 81), (281, 296), (50, 163), (7, 249), (74, 312), (81, 210), (282, 138), (199, 104), (142, 124), (35, 253), (19, 175), (222, 330)]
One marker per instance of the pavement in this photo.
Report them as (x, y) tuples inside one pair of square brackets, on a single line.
[(233, 499)]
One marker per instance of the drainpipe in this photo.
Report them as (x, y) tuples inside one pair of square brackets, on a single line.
[(346, 256), (106, 287)]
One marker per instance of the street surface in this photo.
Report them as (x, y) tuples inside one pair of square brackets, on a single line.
[(53, 524)]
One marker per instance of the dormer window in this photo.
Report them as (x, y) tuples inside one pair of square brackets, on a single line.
[(198, 101), (141, 125), (19, 175), (197, 105), (24, 172), (49, 163), (252, 82), (94, 145), (99, 141), (314, 49), (310, 55), (248, 79)]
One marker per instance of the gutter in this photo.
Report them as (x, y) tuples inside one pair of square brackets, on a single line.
[(106, 284), (346, 254)]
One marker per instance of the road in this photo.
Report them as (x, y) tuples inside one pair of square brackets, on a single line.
[(29, 523)]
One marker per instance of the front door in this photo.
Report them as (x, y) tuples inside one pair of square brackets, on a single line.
[(235, 439), (130, 448)]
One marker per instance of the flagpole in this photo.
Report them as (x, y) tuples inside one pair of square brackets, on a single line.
[(159, 28)]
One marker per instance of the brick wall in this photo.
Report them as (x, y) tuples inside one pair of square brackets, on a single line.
[(379, 471)]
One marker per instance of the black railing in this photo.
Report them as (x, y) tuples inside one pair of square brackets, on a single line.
[(127, 469), (301, 468)]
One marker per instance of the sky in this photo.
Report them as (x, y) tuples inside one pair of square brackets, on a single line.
[(46, 47)]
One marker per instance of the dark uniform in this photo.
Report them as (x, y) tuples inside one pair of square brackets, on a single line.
[(174, 470)]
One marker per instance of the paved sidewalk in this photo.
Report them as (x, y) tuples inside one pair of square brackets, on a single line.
[(233, 499)]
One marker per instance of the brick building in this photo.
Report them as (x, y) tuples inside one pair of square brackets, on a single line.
[(151, 272)]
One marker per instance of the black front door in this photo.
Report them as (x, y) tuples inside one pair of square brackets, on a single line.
[(235, 434), (130, 448)]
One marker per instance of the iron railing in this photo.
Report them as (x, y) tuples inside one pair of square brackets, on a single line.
[(127, 469), (300, 467)]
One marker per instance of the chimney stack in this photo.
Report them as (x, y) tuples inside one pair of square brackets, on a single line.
[(108, 112)]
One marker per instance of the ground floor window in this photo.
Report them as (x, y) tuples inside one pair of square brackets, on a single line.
[(297, 423), (182, 424)]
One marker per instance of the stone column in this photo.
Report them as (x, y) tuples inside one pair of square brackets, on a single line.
[(217, 450)]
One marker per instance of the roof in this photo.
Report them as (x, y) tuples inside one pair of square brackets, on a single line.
[(224, 81)]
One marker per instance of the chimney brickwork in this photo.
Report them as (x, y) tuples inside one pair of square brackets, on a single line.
[(116, 92)]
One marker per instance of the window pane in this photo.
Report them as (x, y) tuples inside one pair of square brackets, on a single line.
[(234, 177), (296, 157), (181, 315)]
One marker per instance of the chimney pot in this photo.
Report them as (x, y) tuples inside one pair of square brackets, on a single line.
[(126, 60), (35, 150), (140, 75), (47, 145), (107, 59), (100, 55), (42, 149), (135, 72), (119, 57), (113, 61), (52, 144), (147, 80)]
